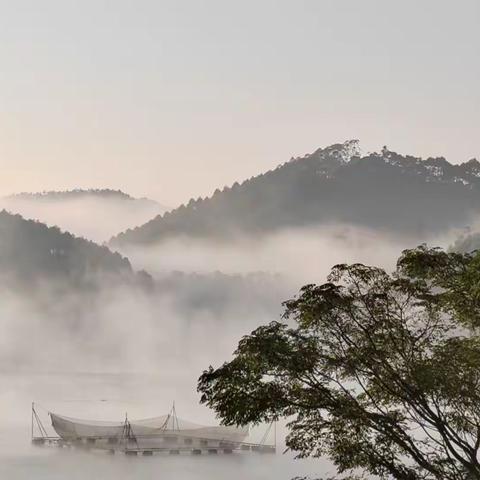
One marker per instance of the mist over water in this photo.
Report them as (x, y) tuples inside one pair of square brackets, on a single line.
[(80, 465), (202, 291), (137, 351), (210, 107), (108, 396), (298, 256)]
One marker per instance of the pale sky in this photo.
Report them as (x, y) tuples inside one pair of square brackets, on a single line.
[(171, 99)]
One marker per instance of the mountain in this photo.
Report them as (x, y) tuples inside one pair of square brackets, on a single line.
[(96, 214), (32, 254), (104, 193), (404, 195), (68, 303)]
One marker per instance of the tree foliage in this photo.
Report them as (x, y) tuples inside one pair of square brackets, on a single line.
[(380, 372)]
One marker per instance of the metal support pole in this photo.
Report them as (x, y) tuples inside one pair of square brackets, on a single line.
[(275, 435)]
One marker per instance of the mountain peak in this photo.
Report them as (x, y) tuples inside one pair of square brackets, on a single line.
[(341, 152), (399, 193), (473, 163)]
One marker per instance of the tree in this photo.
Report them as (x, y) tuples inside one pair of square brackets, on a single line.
[(380, 372)]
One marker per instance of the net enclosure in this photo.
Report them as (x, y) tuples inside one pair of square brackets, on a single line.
[(163, 429)]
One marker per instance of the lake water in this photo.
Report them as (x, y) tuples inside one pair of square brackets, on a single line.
[(109, 397)]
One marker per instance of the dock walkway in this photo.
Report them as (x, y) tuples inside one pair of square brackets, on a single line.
[(133, 447)]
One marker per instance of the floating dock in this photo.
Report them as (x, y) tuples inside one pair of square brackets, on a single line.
[(135, 448), (165, 435)]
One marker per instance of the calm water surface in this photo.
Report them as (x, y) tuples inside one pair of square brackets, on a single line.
[(109, 396)]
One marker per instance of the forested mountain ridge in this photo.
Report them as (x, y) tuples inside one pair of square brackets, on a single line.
[(385, 190), (31, 252)]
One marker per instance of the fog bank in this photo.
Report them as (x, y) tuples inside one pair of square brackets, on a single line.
[(90, 216)]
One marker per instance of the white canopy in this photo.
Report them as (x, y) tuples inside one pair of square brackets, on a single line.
[(72, 428)]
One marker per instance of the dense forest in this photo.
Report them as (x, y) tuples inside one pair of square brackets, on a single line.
[(404, 195), (32, 252)]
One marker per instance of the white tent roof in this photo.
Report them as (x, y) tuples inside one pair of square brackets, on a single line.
[(68, 427)]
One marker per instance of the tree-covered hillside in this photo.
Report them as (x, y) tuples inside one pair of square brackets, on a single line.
[(388, 191), (31, 252), (34, 255)]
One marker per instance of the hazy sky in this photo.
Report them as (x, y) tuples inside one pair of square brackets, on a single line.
[(173, 98)]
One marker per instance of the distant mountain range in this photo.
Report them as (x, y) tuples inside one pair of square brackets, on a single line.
[(96, 214), (404, 195), (104, 193)]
